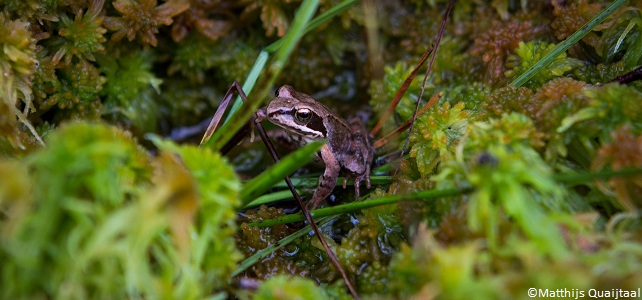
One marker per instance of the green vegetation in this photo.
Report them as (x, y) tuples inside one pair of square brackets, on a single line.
[(506, 186)]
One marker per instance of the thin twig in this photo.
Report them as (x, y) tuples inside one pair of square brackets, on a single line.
[(384, 140), (400, 92), (632, 76), (423, 84)]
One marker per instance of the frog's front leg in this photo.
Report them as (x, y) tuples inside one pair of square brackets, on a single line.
[(328, 180)]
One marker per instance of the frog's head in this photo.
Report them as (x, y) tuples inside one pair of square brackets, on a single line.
[(298, 113)]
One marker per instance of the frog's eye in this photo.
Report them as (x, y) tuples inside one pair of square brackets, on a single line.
[(303, 115)]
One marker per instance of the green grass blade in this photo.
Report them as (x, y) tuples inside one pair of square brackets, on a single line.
[(259, 64), (433, 194), (313, 181), (570, 41), (356, 206), (271, 197), (241, 117), (286, 166), (296, 32), (601, 175), (316, 22), (306, 183), (249, 82)]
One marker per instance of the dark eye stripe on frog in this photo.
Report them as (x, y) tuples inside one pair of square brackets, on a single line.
[(315, 123)]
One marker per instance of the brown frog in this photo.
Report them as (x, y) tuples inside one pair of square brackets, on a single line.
[(348, 149)]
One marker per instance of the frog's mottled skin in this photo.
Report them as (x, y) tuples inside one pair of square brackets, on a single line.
[(347, 151)]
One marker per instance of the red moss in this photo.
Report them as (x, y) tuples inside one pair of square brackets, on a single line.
[(494, 45), (199, 17), (510, 99), (141, 19), (568, 19), (454, 228), (272, 14), (624, 152), (556, 100)]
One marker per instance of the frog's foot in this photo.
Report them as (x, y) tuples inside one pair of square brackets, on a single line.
[(357, 182), (367, 177), (357, 187)]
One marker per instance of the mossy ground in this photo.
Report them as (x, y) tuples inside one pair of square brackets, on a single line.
[(86, 211)]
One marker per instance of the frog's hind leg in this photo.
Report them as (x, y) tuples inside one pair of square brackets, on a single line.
[(328, 180)]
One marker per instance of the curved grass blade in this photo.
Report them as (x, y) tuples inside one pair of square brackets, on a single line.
[(278, 171), (570, 41)]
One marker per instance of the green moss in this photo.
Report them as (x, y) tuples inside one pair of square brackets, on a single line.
[(77, 96), (301, 258), (611, 106), (130, 89), (510, 180), (40, 10), (373, 279), (371, 242), (82, 36), (510, 99), (107, 168), (383, 91), (473, 94), (94, 202), (209, 224), (600, 73), (452, 62), (436, 133), (429, 268), (527, 54), (196, 55), (183, 104), (17, 64), (284, 287)]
